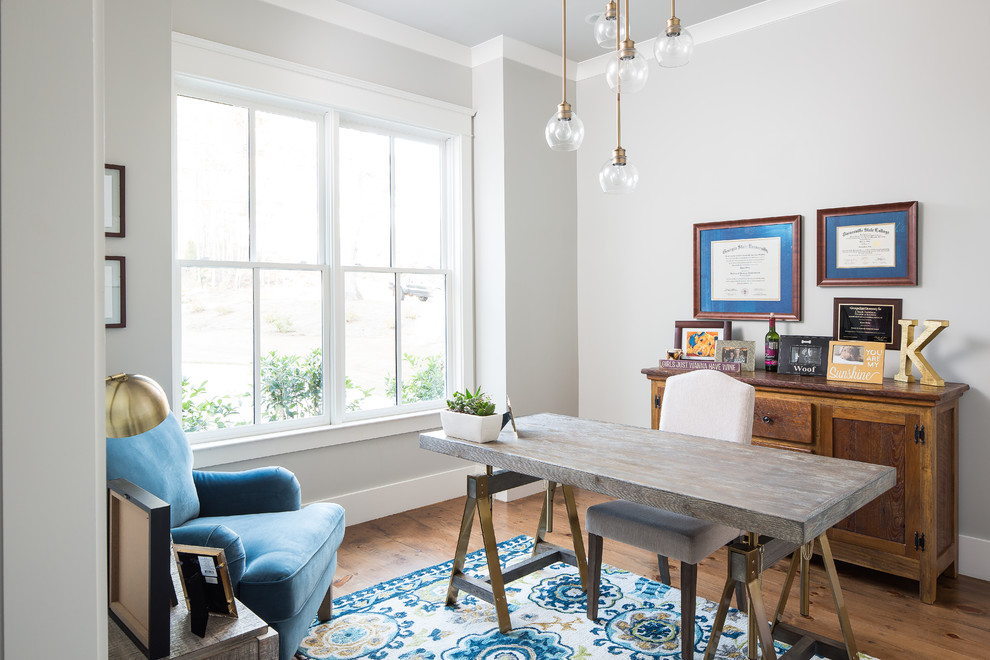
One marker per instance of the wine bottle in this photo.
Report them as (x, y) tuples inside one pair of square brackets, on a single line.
[(772, 346)]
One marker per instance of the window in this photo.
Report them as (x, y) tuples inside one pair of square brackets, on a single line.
[(313, 267)]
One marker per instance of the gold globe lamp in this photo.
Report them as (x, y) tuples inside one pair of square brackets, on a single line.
[(135, 404)]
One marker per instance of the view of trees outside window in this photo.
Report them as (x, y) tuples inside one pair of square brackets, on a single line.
[(256, 281)]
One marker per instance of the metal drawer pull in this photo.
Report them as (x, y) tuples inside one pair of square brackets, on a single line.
[(767, 419)]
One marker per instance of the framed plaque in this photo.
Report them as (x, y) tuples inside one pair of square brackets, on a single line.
[(868, 245), (867, 319), (748, 269), (803, 355)]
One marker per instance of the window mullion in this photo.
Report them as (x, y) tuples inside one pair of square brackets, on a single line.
[(253, 258), (397, 291)]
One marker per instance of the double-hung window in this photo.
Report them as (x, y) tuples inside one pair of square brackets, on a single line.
[(314, 268)]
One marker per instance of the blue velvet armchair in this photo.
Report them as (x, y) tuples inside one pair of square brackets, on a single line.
[(281, 556)]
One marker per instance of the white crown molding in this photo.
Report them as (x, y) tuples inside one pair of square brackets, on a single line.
[(726, 25), (184, 60), (379, 27), (503, 47)]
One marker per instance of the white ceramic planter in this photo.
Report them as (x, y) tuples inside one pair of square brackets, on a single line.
[(471, 427)]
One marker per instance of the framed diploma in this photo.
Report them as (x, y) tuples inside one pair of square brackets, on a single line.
[(748, 269), (868, 245), (867, 319)]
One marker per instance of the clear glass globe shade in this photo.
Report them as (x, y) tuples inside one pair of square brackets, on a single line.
[(605, 32), (564, 134), (626, 75), (673, 51), (617, 179)]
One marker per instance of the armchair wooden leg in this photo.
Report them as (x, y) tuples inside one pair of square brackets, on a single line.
[(664, 569), (594, 574), (325, 613), (689, 596)]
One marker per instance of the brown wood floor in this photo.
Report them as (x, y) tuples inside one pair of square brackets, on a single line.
[(887, 618)]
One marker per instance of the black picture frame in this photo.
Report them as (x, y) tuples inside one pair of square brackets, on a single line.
[(113, 187), (868, 319), (803, 355), (115, 292), (139, 569)]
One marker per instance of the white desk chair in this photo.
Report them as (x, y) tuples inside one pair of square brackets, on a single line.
[(703, 403)]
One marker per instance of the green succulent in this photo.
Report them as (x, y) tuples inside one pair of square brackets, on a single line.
[(476, 403)]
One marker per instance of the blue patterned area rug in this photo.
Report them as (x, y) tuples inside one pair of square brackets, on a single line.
[(405, 619)]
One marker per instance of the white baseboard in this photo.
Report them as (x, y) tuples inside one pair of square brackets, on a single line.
[(974, 557), (364, 505)]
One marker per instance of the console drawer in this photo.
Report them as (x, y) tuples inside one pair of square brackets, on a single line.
[(783, 420)]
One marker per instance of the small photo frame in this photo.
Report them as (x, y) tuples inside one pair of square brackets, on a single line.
[(206, 567), (113, 293), (113, 201), (803, 355), (697, 338), (741, 352), (873, 245), (867, 319), (855, 361)]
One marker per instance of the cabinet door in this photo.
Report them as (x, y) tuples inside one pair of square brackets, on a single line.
[(882, 437)]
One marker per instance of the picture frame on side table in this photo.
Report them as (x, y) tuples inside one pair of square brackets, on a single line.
[(803, 355), (140, 587), (748, 269), (696, 339), (113, 201), (742, 352), (874, 245), (114, 299), (867, 319)]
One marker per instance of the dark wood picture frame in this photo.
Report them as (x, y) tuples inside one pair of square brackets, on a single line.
[(139, 568), (787, 307), (725, 327), (890, 331), (116, 201), (117, 296), (904, 217)]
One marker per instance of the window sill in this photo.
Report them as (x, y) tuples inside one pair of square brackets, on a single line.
[(221, 452)]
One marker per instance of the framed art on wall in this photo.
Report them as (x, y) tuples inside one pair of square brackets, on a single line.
[(696, 339), (113, 201), (113, 293), (748, 269), (868, 245)]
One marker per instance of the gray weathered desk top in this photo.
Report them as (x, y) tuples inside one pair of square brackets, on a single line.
[(786, 495)]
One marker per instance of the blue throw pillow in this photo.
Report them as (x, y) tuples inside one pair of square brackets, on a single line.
[(159, 461)]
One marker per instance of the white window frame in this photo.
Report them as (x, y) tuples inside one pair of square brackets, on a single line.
[(198, 66)]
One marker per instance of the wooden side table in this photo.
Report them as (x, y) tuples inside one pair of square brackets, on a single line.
[(245, 638)]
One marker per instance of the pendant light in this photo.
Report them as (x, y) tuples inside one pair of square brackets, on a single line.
[(606, 25), (627, 66), (565, 130), (674, 46), (617, 174)]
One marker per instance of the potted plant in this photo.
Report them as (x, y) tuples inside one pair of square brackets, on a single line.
[(471, 416)]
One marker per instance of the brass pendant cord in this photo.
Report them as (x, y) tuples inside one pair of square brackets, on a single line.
[(618, 79), (563, 57)]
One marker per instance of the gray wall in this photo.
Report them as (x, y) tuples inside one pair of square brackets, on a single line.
[(859, 102), (54, 475)]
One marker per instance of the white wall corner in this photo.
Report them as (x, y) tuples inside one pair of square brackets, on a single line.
[(502, 47), (974, 557)]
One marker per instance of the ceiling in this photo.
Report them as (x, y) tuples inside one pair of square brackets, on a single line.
[(537, 22)]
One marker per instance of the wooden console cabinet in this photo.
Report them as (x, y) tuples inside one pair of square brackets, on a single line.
[(911, 530)]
